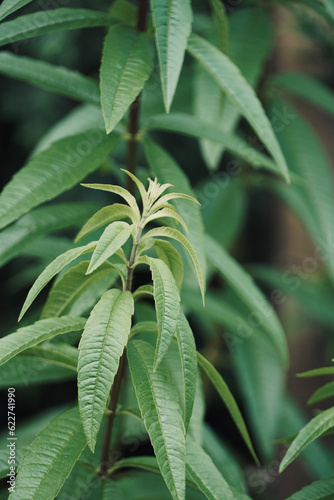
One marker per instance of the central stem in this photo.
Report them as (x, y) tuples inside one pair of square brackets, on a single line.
[(106, 463)]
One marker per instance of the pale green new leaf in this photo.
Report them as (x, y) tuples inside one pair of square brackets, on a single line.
[(172, 23), (228, 399), (325, 392), (161, 413), (318, 490), (9, 6), (50, 21), (314, 429), (205, 474), (71, 286), (187, 349), (40, 331), (169, 212), (167, 304), (120, 191), (251, 296), (101, 347), (113, 238), (50, 458), (231, 81), (53, 171), (171, 258), (127, 63), (56, 79), (51, 270)]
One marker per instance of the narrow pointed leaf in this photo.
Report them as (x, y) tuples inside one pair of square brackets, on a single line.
[(53, 171), (326, 370), (231, 81), (101, 347), (171, 258), (221, 24), (56, 79), (314, 429), (127, 63), (144, 326), (140, 186), (71, 286), (228, 399), (161, 414), (169, 212), (318, 490), (50, 21), (9, 6), (205, 474), (50, 458), (113, 238), (40, 331), (172, 23), (167, 304), (143, 290), (131, 200), (51, 270), (325, 392)]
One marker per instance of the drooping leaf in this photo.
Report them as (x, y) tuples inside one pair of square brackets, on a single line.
[(250, 295), (161, 414), (9, 6), (229, 78), (51, 270), (42, 330), (49, 77), (228, 400), (171, 257), (325, 392), (50, 21), (167, 304), (101, 346), (50, 458), (143, 290), (71, 286), (314, 429), (127, 63), (172, 23), (53, 171), (205, 474), (318, 490)]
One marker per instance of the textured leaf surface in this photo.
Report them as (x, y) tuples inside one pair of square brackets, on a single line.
[(161, 413), (167, 304), (101, 346), (228, 399), (9, 6), (71, 286), (127, 63), (49, 77), (51, 270), (50, 21), (229, 78), (314, 429), (112, 239), (318, 490), (171, 257), (172, 23), (120, 191), (325, 392), (205, 474), (40, 331), (53, 171), (251, 296), (50, 458)]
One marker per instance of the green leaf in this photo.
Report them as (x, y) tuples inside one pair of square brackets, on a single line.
[(9, 6), (49, 77), (187, 349), (166, 169), (251, 296), (144, 326), (127, 62), (326, 370), (167, 304), (17, 239), (50, 458), (171, 257), (194, 127), (228, 399), (120, 191), (172, 23), (71, 286), (144, 463), (53, 171), (100, 349), (169, 213), (318, 490), (220, 21), (314, 429), (42, 330), (59, 354), (50, 21), (325, 392), (205, 474), (161, 414), (143, 290), (51, 270), (112, 239), (124, 11), (231, 81)]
